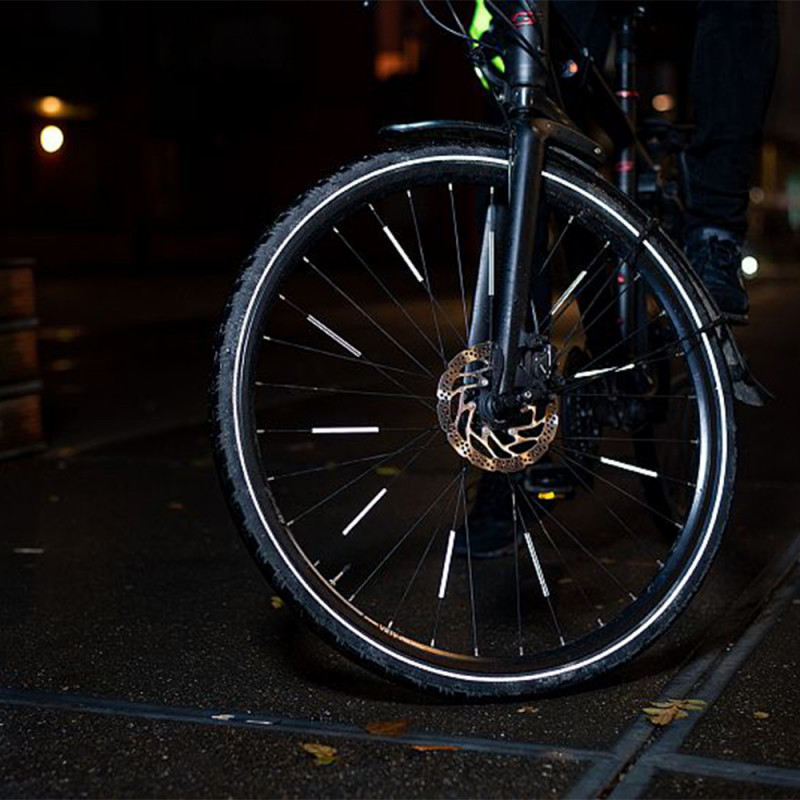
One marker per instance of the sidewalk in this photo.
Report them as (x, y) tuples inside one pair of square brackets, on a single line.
[(141, 655)]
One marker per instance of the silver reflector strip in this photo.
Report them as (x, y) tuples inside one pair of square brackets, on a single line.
[(447, 559), (536, 565), (363, 513), (335, 336), (630, 467), (397, 246)]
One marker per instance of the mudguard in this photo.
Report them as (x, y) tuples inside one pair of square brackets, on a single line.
[(746, 388), (562, 136)]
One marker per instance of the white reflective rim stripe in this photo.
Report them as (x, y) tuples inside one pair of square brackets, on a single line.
[(703, 460)]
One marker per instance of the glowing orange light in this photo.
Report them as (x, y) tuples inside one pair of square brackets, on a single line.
[(51, 106), (663, 102)]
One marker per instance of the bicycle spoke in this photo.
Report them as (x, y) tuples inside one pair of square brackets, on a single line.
[(420, 564), (330, 465), (585, 549), (427, 283), (458, 258), (360, 360), (628, 467), (515, 522), (366, 315), (613, 485), (557, 311), (355, 480), (592, 605), (659, 563), (556, 245), (469, 566), (400, 541), (439, 352), (337, 390)]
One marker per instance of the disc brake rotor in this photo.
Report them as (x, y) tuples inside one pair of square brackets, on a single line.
[(494, 449)]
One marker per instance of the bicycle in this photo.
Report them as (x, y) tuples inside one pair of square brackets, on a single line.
[(480, 301)]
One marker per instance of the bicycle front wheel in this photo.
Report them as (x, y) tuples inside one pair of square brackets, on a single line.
[(352, 495)]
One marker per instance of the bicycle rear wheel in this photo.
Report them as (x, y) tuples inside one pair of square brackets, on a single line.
[(346, 487)]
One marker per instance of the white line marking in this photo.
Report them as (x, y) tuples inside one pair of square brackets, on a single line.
[(397, 246), (536, 565), (364, 511), (570, 289), (363, 429), (335, 336), (630, 467), (29, 551), (448, 557), (702, 465)]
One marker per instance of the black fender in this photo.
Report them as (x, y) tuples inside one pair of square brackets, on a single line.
[(566, 138), (746, 388)]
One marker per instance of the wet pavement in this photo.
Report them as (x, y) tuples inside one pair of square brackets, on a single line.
[(141, 653)]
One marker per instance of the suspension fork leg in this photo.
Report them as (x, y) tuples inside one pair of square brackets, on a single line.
[(527, 79), (525, 181)]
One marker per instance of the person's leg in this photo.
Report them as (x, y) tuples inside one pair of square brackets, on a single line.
[(733, 70)]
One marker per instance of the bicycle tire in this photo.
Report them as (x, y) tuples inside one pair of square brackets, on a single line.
[(571, 187)]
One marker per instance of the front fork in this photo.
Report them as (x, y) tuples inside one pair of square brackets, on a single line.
[(527, 79)]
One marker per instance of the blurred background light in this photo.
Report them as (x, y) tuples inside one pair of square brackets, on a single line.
[(750, 266), (51, 138), (663, 102), (50, 106)]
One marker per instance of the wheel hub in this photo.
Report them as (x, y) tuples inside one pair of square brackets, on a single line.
[(492, 447)]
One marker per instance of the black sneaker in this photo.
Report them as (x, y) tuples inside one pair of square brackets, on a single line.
[(491, 529), (717, 260)]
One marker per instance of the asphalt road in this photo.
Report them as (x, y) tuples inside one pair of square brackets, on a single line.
[(141, 655)]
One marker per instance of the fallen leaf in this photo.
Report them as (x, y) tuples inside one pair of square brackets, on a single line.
[(276, 601), (761, 714), (324, 755), (424, 748), (662, 712), (175, 506), (390, 727), (387, 471), (527, 710)]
